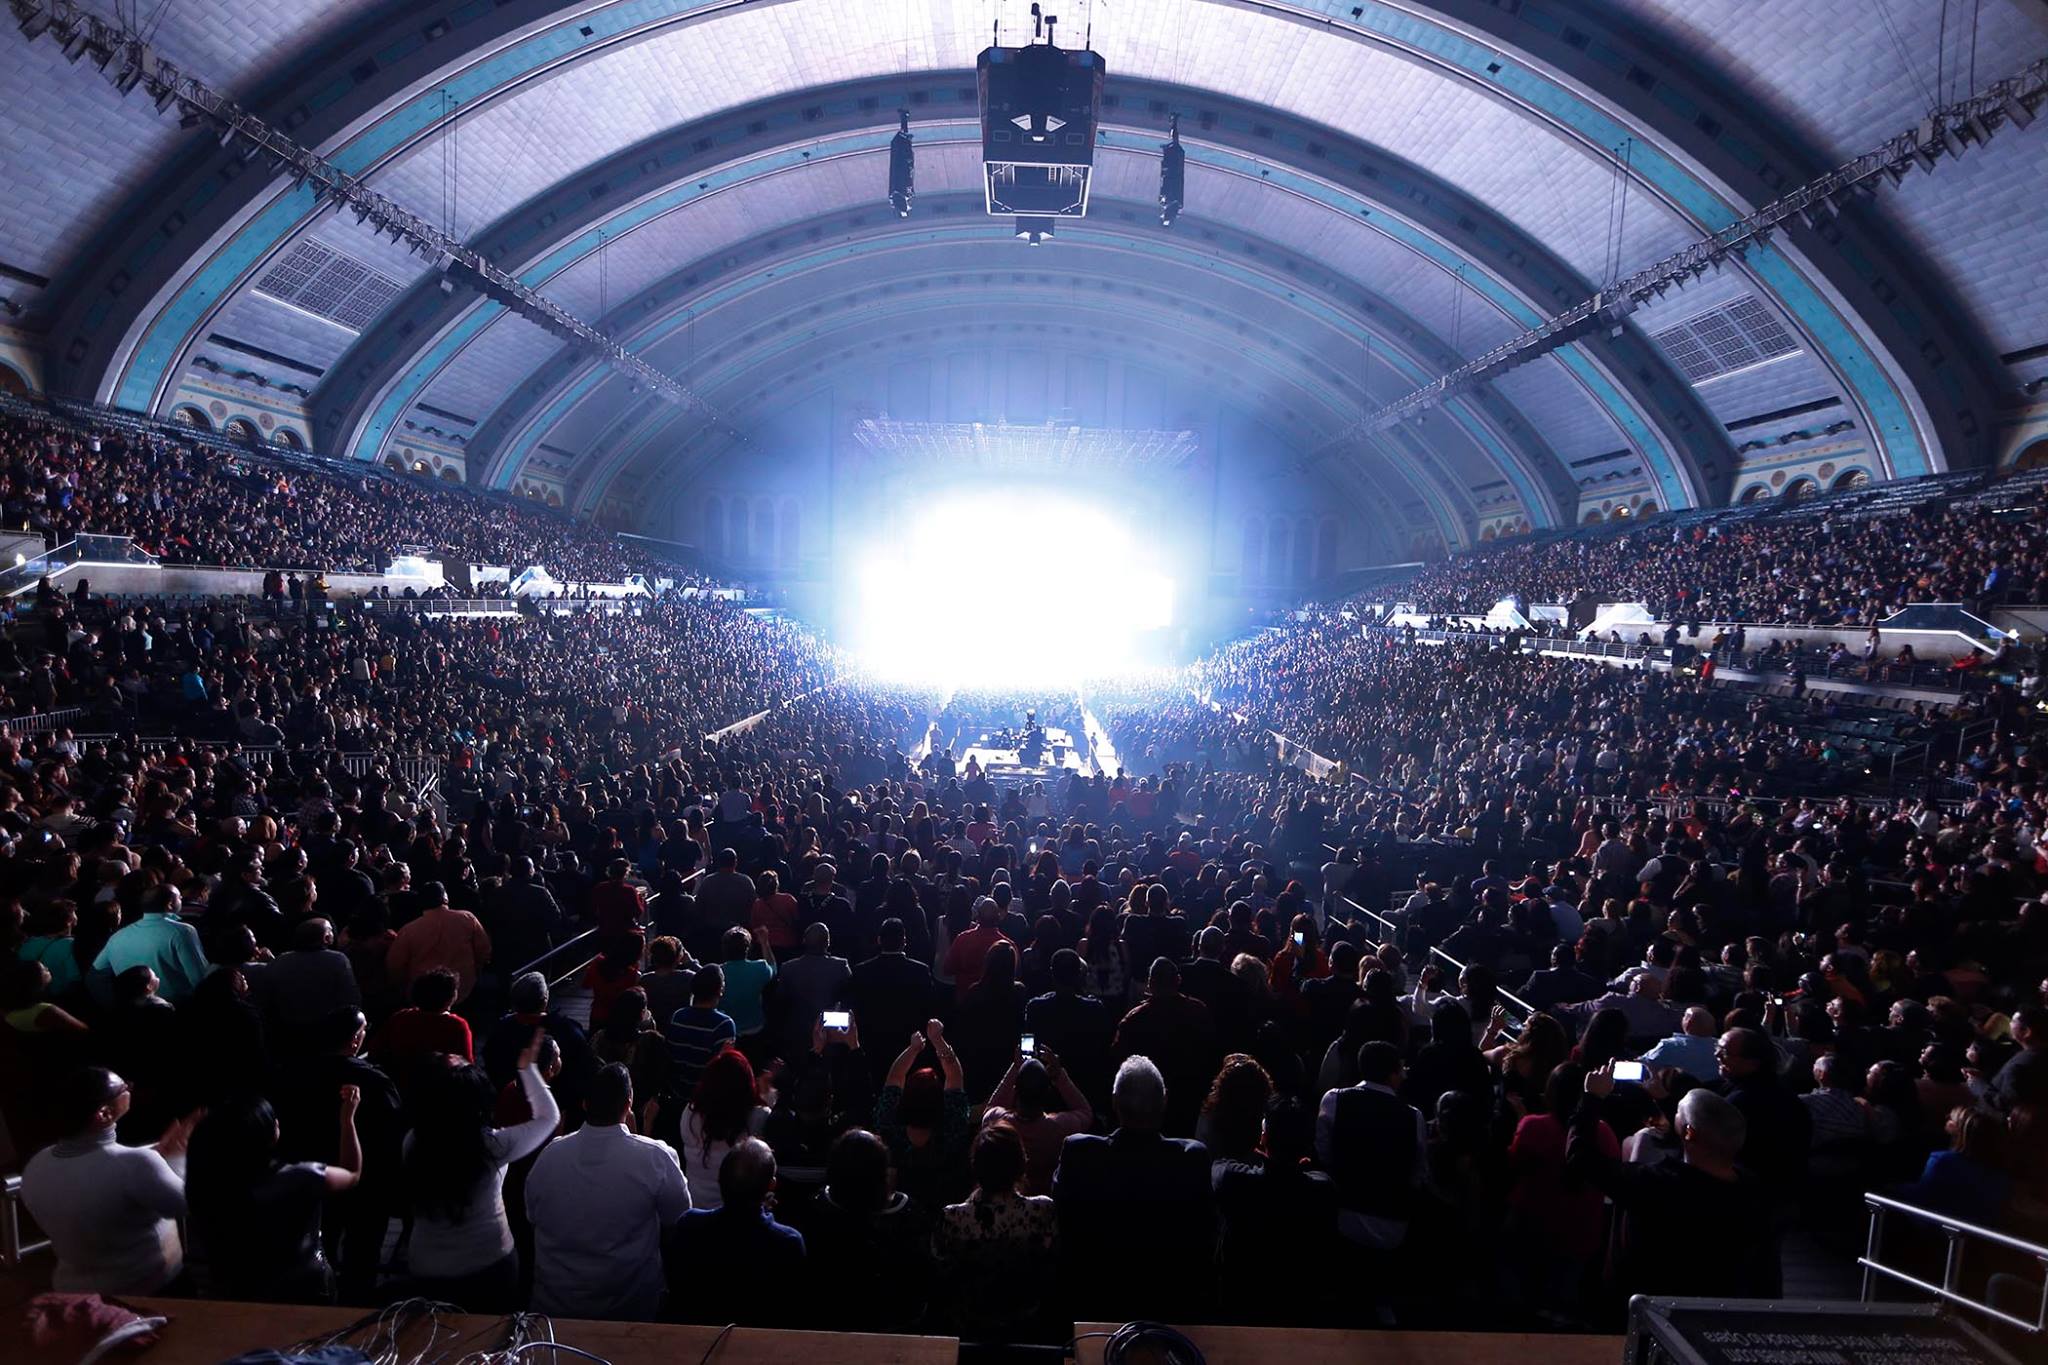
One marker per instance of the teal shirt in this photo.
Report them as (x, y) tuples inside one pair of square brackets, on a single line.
[(54, 953), (162, 942), (744, 984)]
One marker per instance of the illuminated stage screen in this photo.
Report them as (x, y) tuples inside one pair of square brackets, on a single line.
[(1017, 583)]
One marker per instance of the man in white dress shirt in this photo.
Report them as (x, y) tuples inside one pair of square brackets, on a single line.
[(600, 1200)]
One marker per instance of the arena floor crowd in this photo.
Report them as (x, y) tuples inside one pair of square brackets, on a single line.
[(614, 1019)]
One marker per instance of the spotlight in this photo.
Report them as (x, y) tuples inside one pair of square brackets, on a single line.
[(1032, 230), (35, 23), (75, 45), (902, 166), (1173, 173), (2016, 111)]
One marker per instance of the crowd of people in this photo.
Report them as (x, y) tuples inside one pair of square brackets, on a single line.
[(1548, 982), (187, 504), (1833, 571)]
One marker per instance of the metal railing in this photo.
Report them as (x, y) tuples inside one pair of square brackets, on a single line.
[(1955, 1233), (443, 606), (1393, 932), (42, 722), (13, 1248), (580, 947)]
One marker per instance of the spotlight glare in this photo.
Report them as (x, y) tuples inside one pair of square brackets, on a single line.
[(1081, 552)]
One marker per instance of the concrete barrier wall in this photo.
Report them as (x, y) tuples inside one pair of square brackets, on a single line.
[(202, 582)]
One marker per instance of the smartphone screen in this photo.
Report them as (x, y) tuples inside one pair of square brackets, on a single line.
[(838, 1019), (1628, 1071), (1028, 1045), (1300, 940)]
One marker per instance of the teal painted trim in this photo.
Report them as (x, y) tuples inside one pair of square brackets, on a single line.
[(377, 431), (1447, 518), (1163, 248), (165, 336)]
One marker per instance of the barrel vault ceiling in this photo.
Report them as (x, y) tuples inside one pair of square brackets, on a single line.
[(1376, 191)]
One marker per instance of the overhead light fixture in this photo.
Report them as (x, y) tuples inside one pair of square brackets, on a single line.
[(902, 166), (2016, 111), (1033, 230), (35, 23), (1173, 174), (76, 44)]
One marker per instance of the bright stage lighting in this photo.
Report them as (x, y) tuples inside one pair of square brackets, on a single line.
[(1008, 587)]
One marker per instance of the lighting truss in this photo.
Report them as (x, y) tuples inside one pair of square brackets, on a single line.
[(1025, 449), (2013, 101), (121, 55)]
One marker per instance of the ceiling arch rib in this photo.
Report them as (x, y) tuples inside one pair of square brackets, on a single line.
[(1248, 308), (1435, 229), (1221, 294), (1390, 491), (1448, 54), (846, 334)]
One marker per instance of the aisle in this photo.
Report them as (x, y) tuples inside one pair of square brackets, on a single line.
[(1100, 750)]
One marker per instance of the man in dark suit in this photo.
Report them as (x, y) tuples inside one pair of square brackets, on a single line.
[(1561, 983), (521, 917), (1137, 1218), (1177, 1032), (1372, 1143), (890, 994), (1076, 1026), (1209, 979), (734, 1263)]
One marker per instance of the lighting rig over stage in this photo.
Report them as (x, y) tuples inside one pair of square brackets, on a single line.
[(1039, 108), (1041, 111)]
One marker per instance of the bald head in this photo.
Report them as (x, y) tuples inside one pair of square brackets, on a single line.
[(747, 1174), (1699, 1022)]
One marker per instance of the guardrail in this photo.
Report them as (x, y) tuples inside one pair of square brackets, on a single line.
[(580, 947), (438, 606), (1394, 930), (42, 722), (1957, 1233)]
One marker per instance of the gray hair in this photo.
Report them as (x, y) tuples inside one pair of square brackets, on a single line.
[(1139, 1095), (528, 994), (1712, 1122)]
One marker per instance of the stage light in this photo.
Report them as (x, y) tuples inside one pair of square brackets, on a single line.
[(902, 166), (1081, 553), (1173, 174)]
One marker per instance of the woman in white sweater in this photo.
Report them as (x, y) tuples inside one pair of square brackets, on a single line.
[(455, 1160)]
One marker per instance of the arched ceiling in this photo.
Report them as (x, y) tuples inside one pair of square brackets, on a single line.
[(1417, 181)]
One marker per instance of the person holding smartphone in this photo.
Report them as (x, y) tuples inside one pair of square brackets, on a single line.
[(1040, 1100)]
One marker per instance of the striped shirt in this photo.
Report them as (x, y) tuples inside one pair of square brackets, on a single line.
[(694, 1038)]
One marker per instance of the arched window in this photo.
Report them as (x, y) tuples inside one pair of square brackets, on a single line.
[(12, 380), (1851, 478), (714, 526), (1326, 547), (1756, 492), (736, 529), (1799, 490), (2033, 457), (1646, 508), (286, 437), (788, 541), (191, 417), (450, 474), (1593, 517), (1304, 550), (1486, 535), (394, 464), (1276, 550), (241, 429)]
